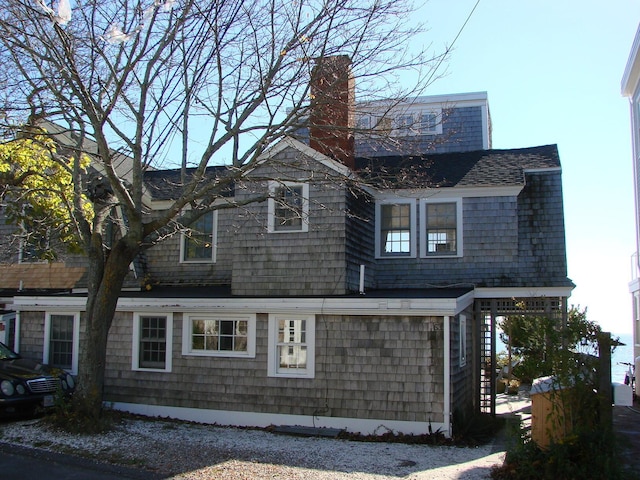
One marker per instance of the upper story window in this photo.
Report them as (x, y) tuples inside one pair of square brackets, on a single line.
[(395, 232), (442, 227), (152, 346), (219, 335), (34, 247), (199, 242), (363, 122), (418, 123), (288, 207), (291, 346), (429, 122)]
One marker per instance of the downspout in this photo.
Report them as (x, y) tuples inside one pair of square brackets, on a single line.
[(16, 333), (447, 377)]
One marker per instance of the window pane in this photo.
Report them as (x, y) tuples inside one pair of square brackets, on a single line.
[(288, 208), (198, 241), (153, 345), (61, 341), (441, 228), (292, 349), (428, 122), (219, 335), (396, 228)]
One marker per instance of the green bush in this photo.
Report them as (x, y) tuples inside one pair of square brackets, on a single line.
[(586, 454)]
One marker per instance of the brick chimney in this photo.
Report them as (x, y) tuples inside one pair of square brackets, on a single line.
[(332, 116)]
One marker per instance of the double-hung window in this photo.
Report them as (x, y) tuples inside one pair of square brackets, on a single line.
[(405, 124), (221, 335), (288, 207), (62, 340), (291, 346), (428, 123), (395, 232), (152, 346), (441, 231), (199, 241)]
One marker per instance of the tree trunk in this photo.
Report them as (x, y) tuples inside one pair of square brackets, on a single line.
[(106, 277)]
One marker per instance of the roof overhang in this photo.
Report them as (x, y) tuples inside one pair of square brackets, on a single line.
[(356, 305), (453, 192), (632, 71), (391, 305), (524, 292)]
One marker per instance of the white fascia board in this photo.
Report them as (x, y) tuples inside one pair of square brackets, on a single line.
[(634, 285), (337, 306), (451, 192), (432, 101), (45, 303), (631, 74), (289, 142), (523, 292), (542, 170), (486, 127)]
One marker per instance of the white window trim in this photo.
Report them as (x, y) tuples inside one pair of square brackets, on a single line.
[(271, 220), (135, 346), (187, 328), (76, 339), (463, 340), (272, 358), (214, 243), (413, 227), (423, 222)]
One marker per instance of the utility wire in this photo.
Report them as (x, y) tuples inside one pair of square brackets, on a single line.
[(455, 39)]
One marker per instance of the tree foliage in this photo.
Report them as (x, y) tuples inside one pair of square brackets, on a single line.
[(544, 342), (38, 184)]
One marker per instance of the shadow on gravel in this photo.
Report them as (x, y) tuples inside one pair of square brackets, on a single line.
[(179, 449)]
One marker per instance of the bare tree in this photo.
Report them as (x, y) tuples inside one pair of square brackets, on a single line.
[(190, 82)]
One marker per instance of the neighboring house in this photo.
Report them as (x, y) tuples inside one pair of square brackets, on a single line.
[(631, 89), (369, 303)]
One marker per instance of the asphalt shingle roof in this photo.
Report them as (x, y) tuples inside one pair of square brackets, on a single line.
[(463, 169), (167, 184)]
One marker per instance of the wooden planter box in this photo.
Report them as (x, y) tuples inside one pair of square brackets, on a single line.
[(548, 422)]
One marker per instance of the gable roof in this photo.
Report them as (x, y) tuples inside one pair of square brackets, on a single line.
[(461, 169)]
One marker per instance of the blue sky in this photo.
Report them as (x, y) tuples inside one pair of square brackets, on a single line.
[(552, 71)]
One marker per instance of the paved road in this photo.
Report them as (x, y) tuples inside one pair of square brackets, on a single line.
[(19, 463)]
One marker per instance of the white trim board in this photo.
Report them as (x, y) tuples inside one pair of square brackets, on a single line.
[(361, 305), (364, 426)]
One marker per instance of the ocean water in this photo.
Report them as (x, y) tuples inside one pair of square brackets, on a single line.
[(623, 353)]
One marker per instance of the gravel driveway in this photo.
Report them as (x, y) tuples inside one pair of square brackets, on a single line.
[(179, 450)]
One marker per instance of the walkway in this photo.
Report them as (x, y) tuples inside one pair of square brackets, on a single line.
[(626, 424)]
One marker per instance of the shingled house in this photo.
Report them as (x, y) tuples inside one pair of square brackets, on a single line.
[(362, 304)]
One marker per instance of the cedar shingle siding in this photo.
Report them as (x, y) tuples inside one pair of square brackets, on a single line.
[(366, 367)]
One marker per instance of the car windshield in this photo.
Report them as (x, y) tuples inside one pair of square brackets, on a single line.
[(6, 353)]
